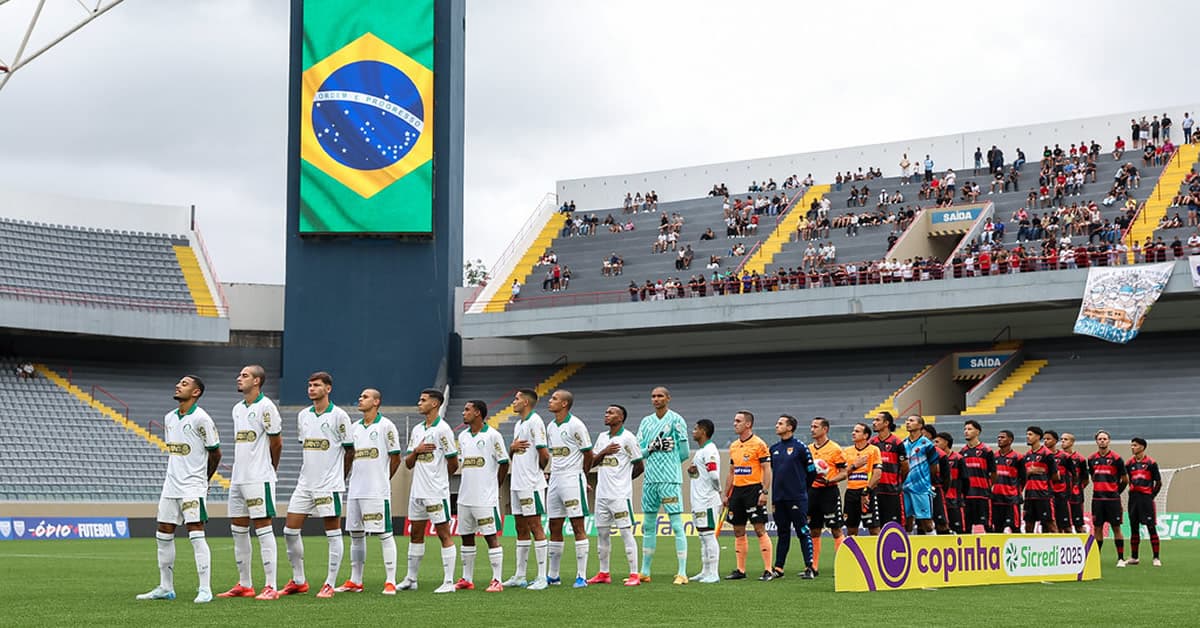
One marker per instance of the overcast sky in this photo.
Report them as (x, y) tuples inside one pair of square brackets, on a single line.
[(183, 102)]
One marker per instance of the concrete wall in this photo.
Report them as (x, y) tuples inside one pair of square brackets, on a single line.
[(96, 213), (932, 393), (76, 319), (255, 307), (947, 151)]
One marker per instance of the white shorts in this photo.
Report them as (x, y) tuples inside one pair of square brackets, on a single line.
[(482, 519), (435, 511), (614, 513), (528, 503), (369, 515), (256, 501), (566, 497), (316, 504), (707, 518), (181, 510)]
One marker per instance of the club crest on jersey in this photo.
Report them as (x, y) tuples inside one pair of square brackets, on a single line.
[(790, 450)]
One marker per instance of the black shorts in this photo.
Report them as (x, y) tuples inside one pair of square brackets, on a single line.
[(954, 516), (940, 517), (1106, 511), (856, 512), (1062, 513), (977, 512), (1005, 515), (824, 508), (889, 507), (743, 505), (1039, 511), (1076, 508), (1141, 512)]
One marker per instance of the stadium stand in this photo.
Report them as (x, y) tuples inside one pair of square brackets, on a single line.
[(101, 268), (57, 448)]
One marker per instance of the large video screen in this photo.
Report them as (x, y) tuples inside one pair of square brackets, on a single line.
[(366, 120)]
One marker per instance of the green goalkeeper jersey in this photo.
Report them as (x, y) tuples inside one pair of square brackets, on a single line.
[(664, 444)]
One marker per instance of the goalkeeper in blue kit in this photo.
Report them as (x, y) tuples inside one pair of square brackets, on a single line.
[(663, 436)]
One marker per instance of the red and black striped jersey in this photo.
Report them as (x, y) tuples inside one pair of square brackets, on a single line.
[(1066, 474), (979, 463), (1106, 470), (892, 453), (1079, 466), (954, 488), (1039, 465), (1010, 474), (1143, 476)]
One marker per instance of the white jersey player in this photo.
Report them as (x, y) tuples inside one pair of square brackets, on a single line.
[(256, 451), (527, 484), (617, 458), (484, 463), (705, 473), (323, 431), (369, 495), (433, 457), (194, 450), (570, 453)]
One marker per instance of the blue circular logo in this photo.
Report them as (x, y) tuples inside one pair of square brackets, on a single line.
[(368, 115)]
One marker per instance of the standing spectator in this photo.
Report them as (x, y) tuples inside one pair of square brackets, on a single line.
[(516, 291), (928, 169), (1187, 128), (978, 160), (906, 169)]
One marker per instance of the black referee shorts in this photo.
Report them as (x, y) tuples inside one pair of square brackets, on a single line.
[(857, 513), (743, 505), (824, 508)]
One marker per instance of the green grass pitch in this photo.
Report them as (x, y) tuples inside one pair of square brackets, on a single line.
[(93, 583)]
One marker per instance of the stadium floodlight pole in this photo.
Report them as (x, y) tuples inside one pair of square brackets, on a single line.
[(20, 60)]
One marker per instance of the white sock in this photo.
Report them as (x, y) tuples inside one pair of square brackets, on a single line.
[(711, 552), (295, 553), (448, 556), (523, 557), (603, 547), (203, 558), (555, 559), (335, 556), (268, 550), (358, 556), (539, 552), (630, 548), (416, 551), (582, 549), (241, 553), (496, 558), (468, 563), (166, 560), (387, 543)]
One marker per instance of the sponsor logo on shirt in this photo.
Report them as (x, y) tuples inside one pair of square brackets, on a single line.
[(179, 449), (433, 508), (316, 444), (570, 503), (369, 453), (246, 436), (621, 515), (426, 457), (486, 521), (527, 501), (740, 470), (610, 461), (672, 499), (473, 462), (559, 452)]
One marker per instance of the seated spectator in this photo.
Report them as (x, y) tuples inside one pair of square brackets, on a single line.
[(708, 234), (1118, 149), (737, 250), (714, 262)]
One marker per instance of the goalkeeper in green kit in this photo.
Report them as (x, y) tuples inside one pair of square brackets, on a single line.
[(663, 437)]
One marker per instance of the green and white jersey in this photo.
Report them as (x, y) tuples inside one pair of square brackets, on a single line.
[(526, 472), (430, 479), (664, 443), (614, 474), (567, 441), (189, 439), (324, 438), (706, 486), (252, 423), (480, 456), (373, 443)]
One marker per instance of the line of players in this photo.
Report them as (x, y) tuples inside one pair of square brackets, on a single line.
[(972, 490)]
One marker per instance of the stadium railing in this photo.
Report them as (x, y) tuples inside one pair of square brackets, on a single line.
[(128, 303), (115, 398), (516, 247), (223, 308)]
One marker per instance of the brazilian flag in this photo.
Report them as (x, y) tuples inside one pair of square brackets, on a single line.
[(366, 117)]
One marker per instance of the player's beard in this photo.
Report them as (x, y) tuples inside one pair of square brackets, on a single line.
[(179, 398)]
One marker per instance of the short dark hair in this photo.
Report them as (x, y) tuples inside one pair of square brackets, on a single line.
[(930, 431), (824, 421), (748, 414), (1007, 433), (866, 428), (624, 412), (1036, 430), (480, 406), (706, 426), (946, 437), (528, 393), (323, 377), (1099, 432), (792, 422), (434, 393), (1139, 440), (1051, 434), (975, 424), (197, 381)]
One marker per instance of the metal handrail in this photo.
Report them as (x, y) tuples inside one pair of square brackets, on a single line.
[(536, 219), (115, 398), (212, 269)]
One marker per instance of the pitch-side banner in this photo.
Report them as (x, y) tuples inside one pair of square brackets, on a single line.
[(1194, 266), (366, 117), (62, 528), (894, 560), (1117, 299)]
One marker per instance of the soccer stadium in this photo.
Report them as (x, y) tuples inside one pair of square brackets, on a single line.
[(912, 303)]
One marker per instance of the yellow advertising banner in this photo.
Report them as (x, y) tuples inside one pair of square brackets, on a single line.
[(894, 560)]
